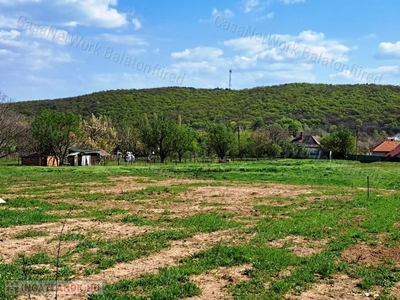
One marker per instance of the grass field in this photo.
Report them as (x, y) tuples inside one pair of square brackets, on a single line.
[(278, 229)]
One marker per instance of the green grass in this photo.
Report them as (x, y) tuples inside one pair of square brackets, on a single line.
[(336, 211), (25, 217), (30, 233), (110, 252)]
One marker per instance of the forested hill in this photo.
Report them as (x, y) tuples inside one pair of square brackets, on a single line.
[(320, 105)]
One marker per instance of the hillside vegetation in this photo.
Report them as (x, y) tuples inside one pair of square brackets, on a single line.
[(316, 105)]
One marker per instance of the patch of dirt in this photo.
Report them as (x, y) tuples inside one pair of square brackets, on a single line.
[(237, 199), (395, 291), (299, 245), (10, 250), (371, 255), (212, 283), (340, 286), (165, 258), (11, 247), (126, 184), (51, 297)]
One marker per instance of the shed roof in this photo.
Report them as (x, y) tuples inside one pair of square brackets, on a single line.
[(83, 150)]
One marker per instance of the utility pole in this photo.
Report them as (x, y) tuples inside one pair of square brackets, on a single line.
[(357, 134), (239, 150)]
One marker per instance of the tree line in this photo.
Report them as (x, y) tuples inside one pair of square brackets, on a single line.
[(54, 133)]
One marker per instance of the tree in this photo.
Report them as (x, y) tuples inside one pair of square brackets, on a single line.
[(129, 139), (159, 135), (220, 139), (293, 126), (184, 140), (260, 140), (55, 132), (273, 150), (99, 133), (341, 143), (13, 130)]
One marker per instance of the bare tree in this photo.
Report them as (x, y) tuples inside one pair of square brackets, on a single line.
[(14, 130)]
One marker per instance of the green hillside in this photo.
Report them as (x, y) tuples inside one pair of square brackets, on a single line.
[(317, 105)]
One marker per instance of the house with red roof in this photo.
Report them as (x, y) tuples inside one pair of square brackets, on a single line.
[(388, 148)]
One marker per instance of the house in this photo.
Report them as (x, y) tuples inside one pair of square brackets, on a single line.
[(85, 157), (39, 159), (311, 143), (385, 148)]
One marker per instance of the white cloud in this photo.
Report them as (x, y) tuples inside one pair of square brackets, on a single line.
[(97, 12), (249, 5), (7, 22), (18, 2), (196, 67), (310, 36), (48, 33), (137, 24), (29, 53), (198, 54), (227, 13), (12, 34), (356, 73), (388, 50), (307, 45), (266, 17), (100, 13)]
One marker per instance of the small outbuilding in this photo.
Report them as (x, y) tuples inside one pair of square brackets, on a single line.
[(40, 159), (85, 157)]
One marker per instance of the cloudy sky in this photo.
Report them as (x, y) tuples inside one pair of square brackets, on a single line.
[(59, 48)]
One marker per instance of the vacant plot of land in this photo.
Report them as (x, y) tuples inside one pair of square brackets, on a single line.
[(184, 232)]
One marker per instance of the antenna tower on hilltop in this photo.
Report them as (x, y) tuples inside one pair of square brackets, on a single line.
[(230, 78)]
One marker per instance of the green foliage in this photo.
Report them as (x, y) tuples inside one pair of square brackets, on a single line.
[(293, 150), (159, 135), (293, 126), (24, 217), (314, 105), (30, 233), (273, 150), (220, 139), (259, 142), (55, 132), (341, 143), (184, 140)]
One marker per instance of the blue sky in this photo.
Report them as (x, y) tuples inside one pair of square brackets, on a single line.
[(60, 48)]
